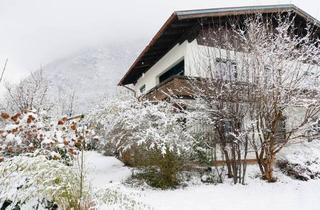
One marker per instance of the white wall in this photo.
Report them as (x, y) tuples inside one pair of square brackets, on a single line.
[(151, 77), (197, 58), (189, 51), (192, 59), (200, 57)]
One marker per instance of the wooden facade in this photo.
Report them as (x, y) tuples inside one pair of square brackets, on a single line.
[(176, 86)]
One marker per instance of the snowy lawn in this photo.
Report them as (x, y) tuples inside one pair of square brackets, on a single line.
[(286, 194)]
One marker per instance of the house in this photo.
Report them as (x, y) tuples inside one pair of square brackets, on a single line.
[(172, 62), (166, 63)]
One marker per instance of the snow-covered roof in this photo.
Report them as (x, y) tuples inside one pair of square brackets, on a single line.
[(244, 10), (185, 25)]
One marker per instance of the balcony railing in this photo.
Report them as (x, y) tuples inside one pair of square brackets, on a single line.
[(184, 87), (176, 86)]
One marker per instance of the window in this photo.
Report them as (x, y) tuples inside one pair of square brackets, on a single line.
[(175, 70), (142, 88), (227, 125), (268, 75), (226, 69)]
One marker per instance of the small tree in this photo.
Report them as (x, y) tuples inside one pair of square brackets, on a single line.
[(67, 102), (261, 77), (283, 67), (221, 95)]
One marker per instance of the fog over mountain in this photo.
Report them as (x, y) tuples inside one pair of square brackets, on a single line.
[(91, 74), (36, 32), (61, 33)]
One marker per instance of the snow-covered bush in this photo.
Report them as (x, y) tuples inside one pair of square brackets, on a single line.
[(27, 181), (301, 161), (159, 170), (127, 122), (114, 199), (153, 136), (31, 132), (35, 182)]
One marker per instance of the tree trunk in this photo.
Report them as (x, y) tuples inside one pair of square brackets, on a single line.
[(228, 163), (260, 162), (268, 168)]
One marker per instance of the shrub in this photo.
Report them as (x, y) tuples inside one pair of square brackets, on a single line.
[(302, 172), (34, 182), (27, 181), (113, 199), (128, 122), (143, 134), (31, 132), (201, 153), (159, 170), (301, 161)]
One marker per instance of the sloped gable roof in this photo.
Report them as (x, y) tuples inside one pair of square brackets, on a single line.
[(179, 24)]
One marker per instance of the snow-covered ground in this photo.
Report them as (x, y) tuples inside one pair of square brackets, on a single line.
[(286, 194), (104, 170)]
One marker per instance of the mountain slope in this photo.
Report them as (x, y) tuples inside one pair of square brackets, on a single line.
[(91, 74)]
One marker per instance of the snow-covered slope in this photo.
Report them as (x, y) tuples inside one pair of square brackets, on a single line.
[(91, 74)]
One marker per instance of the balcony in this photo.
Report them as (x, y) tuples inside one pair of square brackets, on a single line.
[(176, 86), (182, 87)]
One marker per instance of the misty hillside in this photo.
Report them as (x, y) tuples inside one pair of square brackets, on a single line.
[(91, 74)]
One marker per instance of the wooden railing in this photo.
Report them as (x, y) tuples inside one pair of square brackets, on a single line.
[(177, 86)]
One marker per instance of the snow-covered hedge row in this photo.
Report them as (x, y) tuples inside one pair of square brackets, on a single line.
[(31, 132)]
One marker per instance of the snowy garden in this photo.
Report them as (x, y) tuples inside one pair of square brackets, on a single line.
[(131, 153)]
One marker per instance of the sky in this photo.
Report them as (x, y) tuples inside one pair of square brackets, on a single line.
[(37, 32)]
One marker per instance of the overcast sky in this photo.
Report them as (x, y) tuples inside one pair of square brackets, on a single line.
[(36, 32)]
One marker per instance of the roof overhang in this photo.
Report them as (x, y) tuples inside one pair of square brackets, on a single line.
[(181, 21)]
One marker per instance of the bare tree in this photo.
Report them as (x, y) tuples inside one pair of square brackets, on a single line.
[(282, 62), (222, 100), (3, 70), (259, 80), (29, 94), (66, 102)]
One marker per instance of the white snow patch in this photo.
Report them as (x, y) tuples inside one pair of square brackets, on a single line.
[(283, 195), (104, 170)]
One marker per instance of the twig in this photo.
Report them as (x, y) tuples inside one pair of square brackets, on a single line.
[(4, 68)]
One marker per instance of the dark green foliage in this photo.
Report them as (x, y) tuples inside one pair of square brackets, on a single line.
[(8, 203), (201, 154), (159, 170)]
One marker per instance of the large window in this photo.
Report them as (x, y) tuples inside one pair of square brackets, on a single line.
[(175, 70)]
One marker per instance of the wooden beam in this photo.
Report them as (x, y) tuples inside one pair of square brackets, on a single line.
[(179, 25)]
